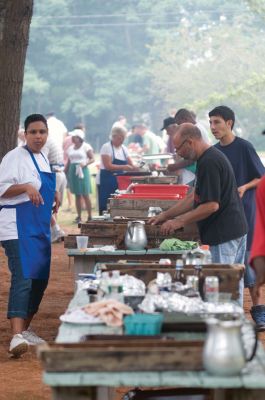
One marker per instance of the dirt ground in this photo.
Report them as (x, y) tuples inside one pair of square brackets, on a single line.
[(22, 379)]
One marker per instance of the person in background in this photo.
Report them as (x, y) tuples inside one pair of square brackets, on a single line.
[(215, 204), (185, 168), (167, 122), (21, 140), (27, 195), (114, 158), (80, 155), (121, 122), (152, 144), (57, 129), (66, 144), (257, 253), (55, 156), (248, 170)]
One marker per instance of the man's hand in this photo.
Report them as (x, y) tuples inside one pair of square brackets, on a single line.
[(171, 225), (156, 220), (34, 195), (57, 203), (241, 190)]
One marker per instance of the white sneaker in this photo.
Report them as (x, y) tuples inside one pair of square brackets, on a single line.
[(18, 345), (32, 338), (57, 235)]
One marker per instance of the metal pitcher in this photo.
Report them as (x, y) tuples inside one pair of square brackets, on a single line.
[(224, 351), (135, 236)]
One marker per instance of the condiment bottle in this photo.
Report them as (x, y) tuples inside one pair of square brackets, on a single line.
[(207, 254), (199, 273), (115, 287), (179, 273)]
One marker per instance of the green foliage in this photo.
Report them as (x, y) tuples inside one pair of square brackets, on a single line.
[(92, 61)]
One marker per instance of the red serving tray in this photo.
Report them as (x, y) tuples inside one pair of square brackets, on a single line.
[(158, 189), (147, 196)]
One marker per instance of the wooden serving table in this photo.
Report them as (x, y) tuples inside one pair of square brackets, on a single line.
[(71, 380), (85, 261), (113, 232), (229, 276)]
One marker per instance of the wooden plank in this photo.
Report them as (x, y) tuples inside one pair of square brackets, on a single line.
[(136, 208), (177, 355), (113, 232), (166, 180), (229, 275)]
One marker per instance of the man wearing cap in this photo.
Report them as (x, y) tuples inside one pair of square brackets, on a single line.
[(166, 126)]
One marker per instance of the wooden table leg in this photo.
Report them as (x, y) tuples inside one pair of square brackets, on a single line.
[(77, 393), (83, 265)]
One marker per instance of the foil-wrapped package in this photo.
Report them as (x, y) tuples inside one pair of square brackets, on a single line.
[(164, 280), (132, 286)]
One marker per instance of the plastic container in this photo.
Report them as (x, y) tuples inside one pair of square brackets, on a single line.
[(123, 181), (180, 190), (143, 324), (147, 196)]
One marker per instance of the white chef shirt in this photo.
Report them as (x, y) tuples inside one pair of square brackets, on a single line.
[(17, 167), (119, 152)]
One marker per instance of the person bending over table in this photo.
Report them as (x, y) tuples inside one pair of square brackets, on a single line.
[(27, 195), (114, 157), (214, 205)]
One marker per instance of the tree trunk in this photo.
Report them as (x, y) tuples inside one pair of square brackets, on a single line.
[(15, 18)]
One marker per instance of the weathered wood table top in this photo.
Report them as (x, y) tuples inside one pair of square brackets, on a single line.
[(249, 385)]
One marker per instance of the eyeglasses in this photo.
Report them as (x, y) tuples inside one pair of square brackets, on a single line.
[(182, 144)]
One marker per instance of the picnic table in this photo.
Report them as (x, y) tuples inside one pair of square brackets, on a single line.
[(249, 385)]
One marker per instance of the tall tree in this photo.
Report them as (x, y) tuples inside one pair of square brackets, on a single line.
[(15, 18)]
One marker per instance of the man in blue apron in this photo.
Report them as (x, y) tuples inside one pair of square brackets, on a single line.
[(27, 194)]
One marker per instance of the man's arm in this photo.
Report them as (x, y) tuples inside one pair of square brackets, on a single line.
[(15, 190), (250, 185), (181, 207), (179, 165), (201, 212)]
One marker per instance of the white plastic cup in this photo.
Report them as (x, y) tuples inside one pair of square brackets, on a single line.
[(82, 242)]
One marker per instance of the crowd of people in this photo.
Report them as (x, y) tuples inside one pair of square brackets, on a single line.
[(49, 160)]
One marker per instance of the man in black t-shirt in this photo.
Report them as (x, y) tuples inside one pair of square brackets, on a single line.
[(215, 204)]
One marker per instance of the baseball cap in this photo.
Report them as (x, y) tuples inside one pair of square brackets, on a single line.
[(168, 121)]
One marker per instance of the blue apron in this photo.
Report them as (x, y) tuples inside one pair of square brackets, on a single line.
[(33, 227), (108, 181)]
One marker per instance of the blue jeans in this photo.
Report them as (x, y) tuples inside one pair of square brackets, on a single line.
[(249, 276), (232, 252), (25, 295)]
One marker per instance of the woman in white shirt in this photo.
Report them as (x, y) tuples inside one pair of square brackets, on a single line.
[(27, 193), (114, 157), (80, 155)]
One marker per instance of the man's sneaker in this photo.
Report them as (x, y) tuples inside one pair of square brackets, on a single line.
[(57, 235), (32, 338), (258, 315), (18, 345)]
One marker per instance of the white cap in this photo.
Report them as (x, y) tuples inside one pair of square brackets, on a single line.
[(78, 132)]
